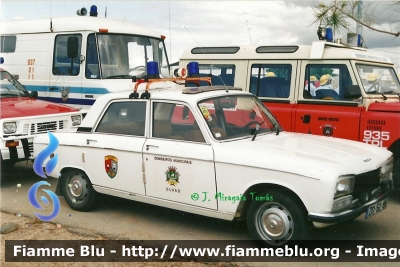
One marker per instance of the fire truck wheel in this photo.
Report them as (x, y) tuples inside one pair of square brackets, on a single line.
[(78, 190), (279, 221)]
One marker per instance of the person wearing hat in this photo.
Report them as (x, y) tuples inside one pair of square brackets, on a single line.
[(373, 83), (270, 74), (325, 83), (312, 85)]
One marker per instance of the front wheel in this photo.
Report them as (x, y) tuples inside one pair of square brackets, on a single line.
[(278, 221), (78, 190)]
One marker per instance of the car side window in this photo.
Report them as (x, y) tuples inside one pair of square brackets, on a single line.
[(326, 82), (270, 80), (175, 121), (126, 118)]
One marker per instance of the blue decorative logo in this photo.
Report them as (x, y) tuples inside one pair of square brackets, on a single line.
[(42, 156), (42, 172), (32, 199)]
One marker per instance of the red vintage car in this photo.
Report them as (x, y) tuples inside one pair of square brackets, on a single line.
[(23, 116)]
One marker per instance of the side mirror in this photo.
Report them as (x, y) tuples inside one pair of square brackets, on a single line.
[(72, 47), (352, 92), (34, 94)]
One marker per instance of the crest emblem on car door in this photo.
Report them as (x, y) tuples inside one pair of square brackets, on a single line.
[(111, 165)]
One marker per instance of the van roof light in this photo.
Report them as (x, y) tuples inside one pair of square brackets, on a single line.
[(93, 11)]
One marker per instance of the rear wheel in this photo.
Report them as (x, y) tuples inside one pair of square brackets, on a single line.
[(78, 190), (278, 221)]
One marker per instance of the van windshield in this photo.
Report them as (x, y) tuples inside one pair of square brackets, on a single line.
[(122, 56), (378, 79)]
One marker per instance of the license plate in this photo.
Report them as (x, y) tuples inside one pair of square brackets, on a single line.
[(376, 208)]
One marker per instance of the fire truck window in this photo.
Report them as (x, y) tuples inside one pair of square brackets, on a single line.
[(271, 80), (326, 82), (92, 60), (221, 74), (126, 118), (62, 63)]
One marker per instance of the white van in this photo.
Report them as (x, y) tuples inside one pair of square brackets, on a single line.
[(74, 60)]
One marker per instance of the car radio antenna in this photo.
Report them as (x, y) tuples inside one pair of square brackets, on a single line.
[(204, 52)]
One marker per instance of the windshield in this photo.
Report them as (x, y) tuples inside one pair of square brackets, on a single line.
[(10, 87), (124, 56), (237, 116), (378, 80)]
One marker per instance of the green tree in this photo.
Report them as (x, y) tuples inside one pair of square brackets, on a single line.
[(338, 13)]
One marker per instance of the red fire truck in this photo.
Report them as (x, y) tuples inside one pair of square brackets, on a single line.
[(324, 89)]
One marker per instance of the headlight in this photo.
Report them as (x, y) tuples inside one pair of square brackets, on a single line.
[(387, 169), (76, 120), (9, 127), (344, 185)]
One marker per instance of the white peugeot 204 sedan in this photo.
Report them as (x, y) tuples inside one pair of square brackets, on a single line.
[(219, 152)]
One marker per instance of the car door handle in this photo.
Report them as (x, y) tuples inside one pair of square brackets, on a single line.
[(53, 88), (148, 146), (90, 140)]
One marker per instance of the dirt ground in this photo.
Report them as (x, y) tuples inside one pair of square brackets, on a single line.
[(34, 229)]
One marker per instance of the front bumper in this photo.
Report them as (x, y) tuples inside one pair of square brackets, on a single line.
[(23, 151), (332, 218)]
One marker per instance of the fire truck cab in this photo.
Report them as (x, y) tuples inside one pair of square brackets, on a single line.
[(324, 89)]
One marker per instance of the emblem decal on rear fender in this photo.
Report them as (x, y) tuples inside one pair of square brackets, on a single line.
[(111, 165)]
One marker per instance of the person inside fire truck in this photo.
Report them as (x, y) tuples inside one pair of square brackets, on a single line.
[(312, 86), (372, 83)]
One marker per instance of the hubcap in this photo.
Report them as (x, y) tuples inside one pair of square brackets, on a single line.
[(77, 186), (276, 223)]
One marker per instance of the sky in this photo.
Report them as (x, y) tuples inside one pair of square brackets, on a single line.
[(220, 23)]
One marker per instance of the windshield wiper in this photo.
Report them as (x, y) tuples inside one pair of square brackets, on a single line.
[(254, 132), (276, 126)]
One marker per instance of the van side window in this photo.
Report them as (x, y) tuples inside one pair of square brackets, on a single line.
[(92, 60), (126, 118), (67, 53), (326, 81), (8, 44), (221, 74), (270, 80)]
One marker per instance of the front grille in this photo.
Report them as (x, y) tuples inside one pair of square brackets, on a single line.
[(365, 183), (30, 146), (61, 125), (42, 127)]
